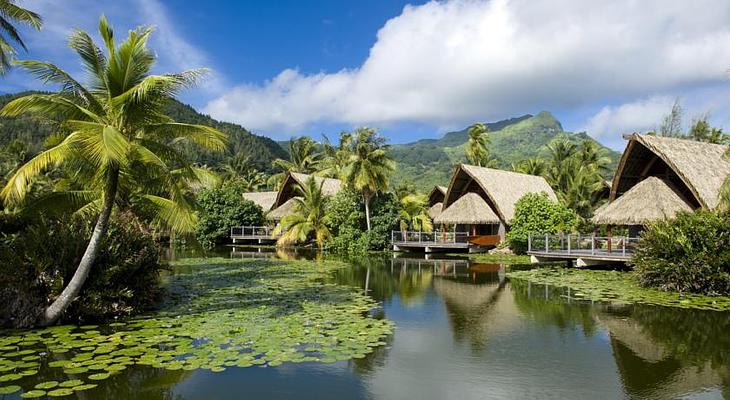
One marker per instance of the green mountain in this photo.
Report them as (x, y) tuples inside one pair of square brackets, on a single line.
[(33, 131), (431, 162)]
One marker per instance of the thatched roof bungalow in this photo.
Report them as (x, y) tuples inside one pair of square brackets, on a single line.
[(264, 199), (436, 201), (283, 205), (686, 175), (485, 198)]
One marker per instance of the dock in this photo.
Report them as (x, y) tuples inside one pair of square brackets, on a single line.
[(253, 234), (433, 242)]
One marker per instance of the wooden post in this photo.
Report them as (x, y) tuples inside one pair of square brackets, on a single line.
[(608, 231), (568, 243), (547, 243), (593, 244), (529, 242)]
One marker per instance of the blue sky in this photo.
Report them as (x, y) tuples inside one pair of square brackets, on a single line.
[(419, 69)]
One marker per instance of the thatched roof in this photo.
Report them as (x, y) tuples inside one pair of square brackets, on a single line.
[(437, 195), (435, 210), (330, 187), (283, 210), (696, 169), (264, 199), (468, 209), (500, 188), (651, 200)]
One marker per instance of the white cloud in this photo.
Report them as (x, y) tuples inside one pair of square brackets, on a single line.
[(60, 18), (463, 60), (636, 116)]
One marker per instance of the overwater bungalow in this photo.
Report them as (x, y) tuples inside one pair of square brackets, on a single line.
[(436, 200), (279, 204), (657, 177), (478, 207)]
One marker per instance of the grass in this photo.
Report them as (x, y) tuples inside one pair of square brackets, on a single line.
[(498, 258), (616, 287)]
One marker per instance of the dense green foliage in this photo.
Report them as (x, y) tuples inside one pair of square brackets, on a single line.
[(690, 253), (537, 214), (309, 220), (40, 255), (221, 209), (430, 162), (348, 227)]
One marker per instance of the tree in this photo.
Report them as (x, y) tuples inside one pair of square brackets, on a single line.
[(303, 158), (701, 131), (11, 13), (118, 137), (725, 190), (537, 214), (309, 220), (671, 125), (336, 158), (413, 214), (476, 147), (531, 166), (223, 208), (370, 166)]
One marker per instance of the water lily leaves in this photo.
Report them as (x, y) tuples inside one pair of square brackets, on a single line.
[(9, 389), (71, 383), (86, 386), (33, 394), (99, 377), (61, 392), (47, 385)]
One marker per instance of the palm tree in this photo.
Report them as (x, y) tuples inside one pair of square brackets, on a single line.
[(476, 148), (10, 13), (370, 166), (119, 137), (303, 158), (531, 166), (309, 220), (413, 214), (336, 158), (591, 154), (725, 190)]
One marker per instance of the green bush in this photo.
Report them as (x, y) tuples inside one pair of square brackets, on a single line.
[(40, 256), (690, 253), (537, 214), (348, 226), (221, 209)]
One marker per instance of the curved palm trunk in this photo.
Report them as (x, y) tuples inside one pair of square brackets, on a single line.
[(53, 312)]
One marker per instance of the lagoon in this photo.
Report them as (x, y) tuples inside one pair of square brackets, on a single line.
[(461, 330)]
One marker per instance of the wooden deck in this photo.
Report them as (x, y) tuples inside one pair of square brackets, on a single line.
[(431, 242), (253, 234), (583, 249)]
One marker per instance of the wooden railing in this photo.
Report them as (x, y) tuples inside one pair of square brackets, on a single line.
[(581, 245), (253, 232), (429, 237)]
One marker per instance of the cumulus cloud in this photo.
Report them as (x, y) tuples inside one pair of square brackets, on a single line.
[(640, 115), (454, 62)]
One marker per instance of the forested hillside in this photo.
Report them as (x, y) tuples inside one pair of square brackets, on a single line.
[(430, 162), (33, 131)]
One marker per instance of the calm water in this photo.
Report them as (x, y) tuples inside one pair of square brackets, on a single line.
[(463, 331)]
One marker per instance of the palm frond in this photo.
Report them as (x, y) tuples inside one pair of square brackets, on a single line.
[(176, 215)]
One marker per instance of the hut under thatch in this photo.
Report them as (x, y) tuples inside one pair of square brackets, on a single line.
[(288, 191), (264, 199), (436, 201), (288, 208), (498, 190), (687, 175)]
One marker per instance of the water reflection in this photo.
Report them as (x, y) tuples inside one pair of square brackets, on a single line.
[(463, 330)]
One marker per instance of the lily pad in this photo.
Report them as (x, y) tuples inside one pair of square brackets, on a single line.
[(33, 394), (9, 389)]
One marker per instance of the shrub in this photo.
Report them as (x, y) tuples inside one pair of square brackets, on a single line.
[(690, 253), (40, 255), (347, 222), (537, 214), (221, 209)]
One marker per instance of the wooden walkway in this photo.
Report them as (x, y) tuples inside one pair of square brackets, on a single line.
[(583, 249), (255, 234)]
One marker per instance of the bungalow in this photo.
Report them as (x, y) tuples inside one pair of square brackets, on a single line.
[(436, 201), (657, 177)]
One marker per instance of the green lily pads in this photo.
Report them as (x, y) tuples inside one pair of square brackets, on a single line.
[(61, 392), (99, 377), (47, 385), (71, 383), (9, 389), (83, 387), (33, 394)]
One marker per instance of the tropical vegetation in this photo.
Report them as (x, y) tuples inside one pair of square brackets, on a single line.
[(222, 208), (690, 253), (309, 220), (10, 14), (115, 144), (537, 214)]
